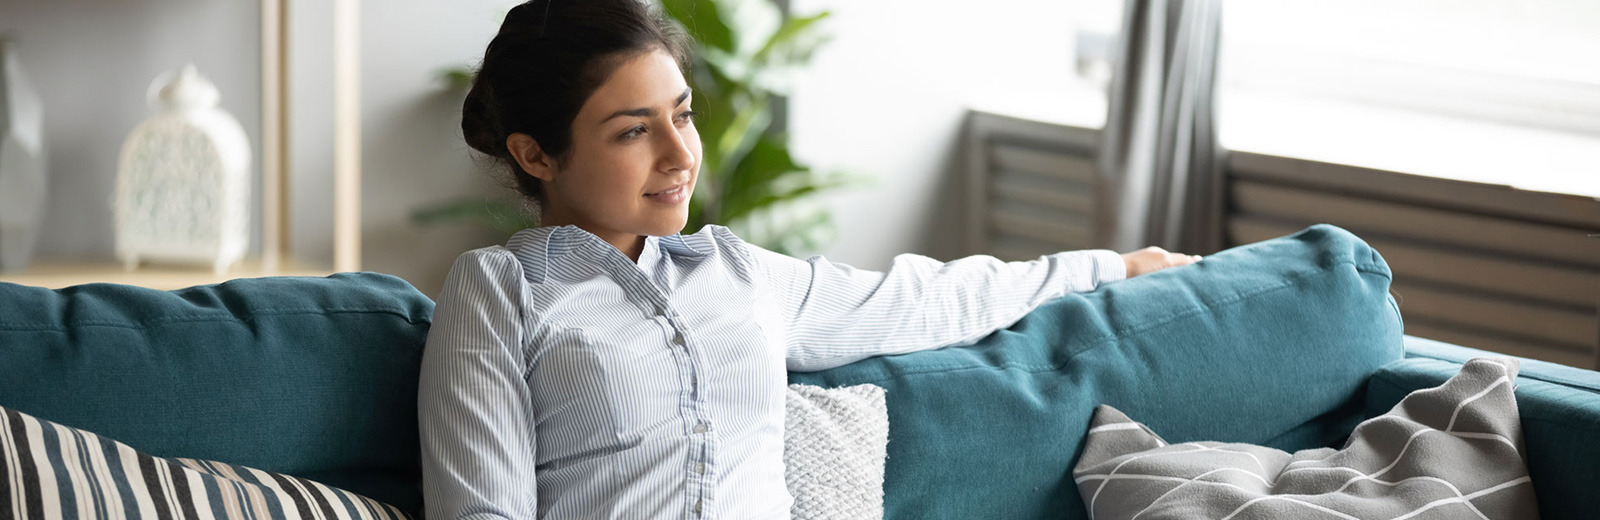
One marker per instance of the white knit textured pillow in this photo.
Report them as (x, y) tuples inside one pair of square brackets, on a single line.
[(834, 444)]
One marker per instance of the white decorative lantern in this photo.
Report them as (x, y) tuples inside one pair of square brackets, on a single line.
[(183, 182)]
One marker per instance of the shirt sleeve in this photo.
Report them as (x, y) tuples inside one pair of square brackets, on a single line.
[(473, 404), (837, 314)]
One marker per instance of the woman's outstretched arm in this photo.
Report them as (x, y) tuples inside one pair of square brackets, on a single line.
[(837, 314), (474, 407)]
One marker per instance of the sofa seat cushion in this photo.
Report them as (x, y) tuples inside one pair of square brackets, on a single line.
[(1269, 343), (53, 471), (315, 377)]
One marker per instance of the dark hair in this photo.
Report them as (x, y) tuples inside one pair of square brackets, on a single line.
[(548, 58)]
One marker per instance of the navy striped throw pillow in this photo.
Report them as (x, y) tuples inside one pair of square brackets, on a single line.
[(52, 471)]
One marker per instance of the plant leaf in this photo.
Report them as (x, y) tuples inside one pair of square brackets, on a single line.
[(703, 20), (808, 185), (457, 77), (792, 33), (741, 134), (501, 216), (767, 160)]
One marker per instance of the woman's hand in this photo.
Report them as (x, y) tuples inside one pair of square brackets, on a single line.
[(1152, 259)]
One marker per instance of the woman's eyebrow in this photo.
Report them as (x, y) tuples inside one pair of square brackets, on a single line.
[(646, 111)]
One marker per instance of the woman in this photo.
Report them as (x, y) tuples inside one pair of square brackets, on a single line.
[(604, 366)]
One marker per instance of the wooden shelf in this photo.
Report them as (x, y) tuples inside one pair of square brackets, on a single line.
[(58, 274)]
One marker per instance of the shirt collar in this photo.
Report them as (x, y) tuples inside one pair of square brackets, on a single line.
[(650, 255), (677, 245), (536, 248)]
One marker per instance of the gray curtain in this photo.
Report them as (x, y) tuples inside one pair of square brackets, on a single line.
[(1159, 149)]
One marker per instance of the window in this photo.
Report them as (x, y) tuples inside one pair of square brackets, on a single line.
[(1494, 91)]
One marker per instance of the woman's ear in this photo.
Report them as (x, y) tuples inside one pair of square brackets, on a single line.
[(531, 157)]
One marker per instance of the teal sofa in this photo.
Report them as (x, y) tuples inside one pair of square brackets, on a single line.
[(1287, 343)]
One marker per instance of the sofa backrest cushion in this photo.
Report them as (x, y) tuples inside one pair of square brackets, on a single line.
[(313, 377), (1269, 343)]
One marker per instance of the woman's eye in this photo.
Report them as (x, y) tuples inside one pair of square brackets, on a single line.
[(686, 116), (633, 133)]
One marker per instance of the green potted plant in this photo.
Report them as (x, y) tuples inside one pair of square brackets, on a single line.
[(748, 179)]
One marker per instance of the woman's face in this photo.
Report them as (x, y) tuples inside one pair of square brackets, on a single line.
[(634, 159)]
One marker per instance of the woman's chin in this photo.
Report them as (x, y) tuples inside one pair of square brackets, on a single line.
[(664, 229)]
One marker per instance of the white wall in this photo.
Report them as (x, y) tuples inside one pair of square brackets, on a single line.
[(411, 127), (412, 150), (886, 97)]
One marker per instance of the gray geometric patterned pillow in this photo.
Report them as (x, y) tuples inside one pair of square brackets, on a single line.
[(48, 470), (1454, 451)]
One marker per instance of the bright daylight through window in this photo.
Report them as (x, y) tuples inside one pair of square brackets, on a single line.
[(1494, 91)]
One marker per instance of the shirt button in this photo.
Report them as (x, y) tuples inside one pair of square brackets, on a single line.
[(677, 339), (697, 507), (700, 467), (700, 427)]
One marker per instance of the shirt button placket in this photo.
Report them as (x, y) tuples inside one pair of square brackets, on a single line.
[(679, 341)]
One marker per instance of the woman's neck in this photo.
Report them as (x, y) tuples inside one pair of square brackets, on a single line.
[(629, 244)]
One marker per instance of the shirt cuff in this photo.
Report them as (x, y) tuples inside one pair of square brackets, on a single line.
[(1108, 266)]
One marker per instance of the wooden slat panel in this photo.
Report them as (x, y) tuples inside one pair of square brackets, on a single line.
[(1045, 191), (1078, 169), (1008, 129), (1478, 339), (1464, 268), (1535, 240), (1567, 210), (1037, 224), (1061, 153), (1563, 326), (975, 198), (1013, 248)]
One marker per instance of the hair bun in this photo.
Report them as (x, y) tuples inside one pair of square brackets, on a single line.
[(477, 122)]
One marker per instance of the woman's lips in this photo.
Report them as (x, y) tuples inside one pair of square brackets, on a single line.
[(676, 195)]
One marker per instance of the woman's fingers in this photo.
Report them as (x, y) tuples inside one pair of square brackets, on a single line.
[(1153, 258)]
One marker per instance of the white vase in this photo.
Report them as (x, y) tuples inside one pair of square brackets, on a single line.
[(22, 163), (183, 180)]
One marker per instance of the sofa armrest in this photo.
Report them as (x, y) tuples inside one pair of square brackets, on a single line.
[(1560, 408)]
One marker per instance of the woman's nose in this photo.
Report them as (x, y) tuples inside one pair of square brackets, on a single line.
[(679, 153)]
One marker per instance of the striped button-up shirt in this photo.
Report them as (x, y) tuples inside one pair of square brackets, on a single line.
[(563, 380)]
